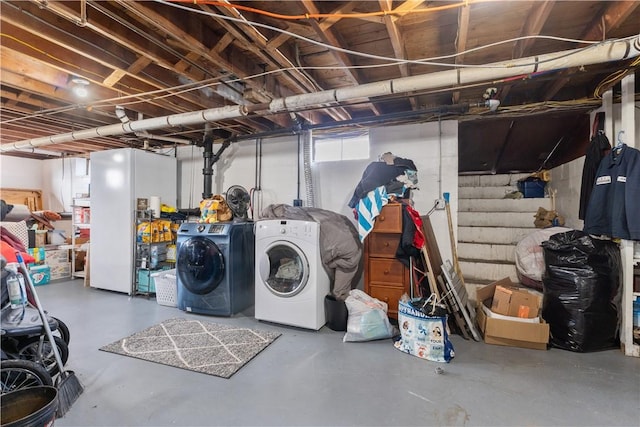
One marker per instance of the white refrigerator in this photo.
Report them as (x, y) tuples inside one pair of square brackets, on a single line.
[(118, 178)]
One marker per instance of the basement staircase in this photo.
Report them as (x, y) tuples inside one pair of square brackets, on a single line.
[(490, 226)]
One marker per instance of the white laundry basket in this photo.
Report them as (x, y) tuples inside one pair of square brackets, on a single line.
[(166, 287)]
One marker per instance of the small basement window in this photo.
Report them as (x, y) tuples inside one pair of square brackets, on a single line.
[(333, 148)]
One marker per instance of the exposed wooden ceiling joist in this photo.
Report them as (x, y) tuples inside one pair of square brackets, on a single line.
[(159, 58)]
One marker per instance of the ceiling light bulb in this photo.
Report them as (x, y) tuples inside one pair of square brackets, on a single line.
[(80, 91)]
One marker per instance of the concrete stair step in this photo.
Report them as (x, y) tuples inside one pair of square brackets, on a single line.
[(496, 219), (503, 205), (485, 192), (490, 226), (490, 180), (493, 235), (489, 252), (474, 270)]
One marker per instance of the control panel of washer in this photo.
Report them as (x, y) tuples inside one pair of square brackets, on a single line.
[(216, 229), (296, 229)]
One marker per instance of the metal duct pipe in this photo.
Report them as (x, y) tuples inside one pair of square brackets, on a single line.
[(182, 119), (122, 115), (211, 159), (308, 176), (207, 170), (608, 51)]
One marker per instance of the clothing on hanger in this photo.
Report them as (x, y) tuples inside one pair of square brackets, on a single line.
[(614, 206)]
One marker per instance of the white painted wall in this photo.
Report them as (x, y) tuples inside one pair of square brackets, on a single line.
[(66, 178), (334, 182), (21, 173), (56, 178), (567, 179), (435, 157)]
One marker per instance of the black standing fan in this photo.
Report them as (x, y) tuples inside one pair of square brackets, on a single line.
[(238, 200)]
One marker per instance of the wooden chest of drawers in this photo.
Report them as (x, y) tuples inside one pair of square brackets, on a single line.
[(385, 278)]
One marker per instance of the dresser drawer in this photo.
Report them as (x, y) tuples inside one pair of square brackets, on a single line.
[(388, 271), (383, 244), (389, 295), (389, 220)]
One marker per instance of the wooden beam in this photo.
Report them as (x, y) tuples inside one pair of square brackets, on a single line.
[(461, 41), (397, 42), (532, 26), (137, 66), (614, 14), (24, 65), (536, 19), (250, 38), (77, 52), (328, 36), (170, 29)]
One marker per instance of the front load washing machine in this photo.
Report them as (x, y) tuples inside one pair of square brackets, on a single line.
[(290, 279), (215, 267)]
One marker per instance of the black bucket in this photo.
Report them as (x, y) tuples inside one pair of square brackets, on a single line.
[(336, 313), (30, 407)]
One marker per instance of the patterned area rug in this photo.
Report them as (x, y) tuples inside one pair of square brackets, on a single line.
[(205, 347)]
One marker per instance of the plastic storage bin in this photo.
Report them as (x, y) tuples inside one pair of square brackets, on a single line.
[(166, 287), (532, 188)]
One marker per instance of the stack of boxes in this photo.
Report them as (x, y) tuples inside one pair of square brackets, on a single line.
[(50, 264), (510, 316)]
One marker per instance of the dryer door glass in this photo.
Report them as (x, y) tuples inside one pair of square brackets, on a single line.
[(284, 269), (200, 265)]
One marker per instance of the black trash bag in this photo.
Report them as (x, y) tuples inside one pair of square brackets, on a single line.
[(582, 291)]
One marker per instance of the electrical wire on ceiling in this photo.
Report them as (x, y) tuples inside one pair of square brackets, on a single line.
[(379, 57), (175, 90), (48, 55), (328, 15), (214, 81), (614, 78), (202, 84)]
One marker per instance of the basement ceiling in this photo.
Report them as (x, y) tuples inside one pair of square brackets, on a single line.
[(162, 58)]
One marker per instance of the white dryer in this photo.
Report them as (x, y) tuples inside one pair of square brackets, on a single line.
[(290, 280)]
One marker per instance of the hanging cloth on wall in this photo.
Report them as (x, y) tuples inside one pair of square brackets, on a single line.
[(368, 208), (614, 206), (598, 147), (386, 173)]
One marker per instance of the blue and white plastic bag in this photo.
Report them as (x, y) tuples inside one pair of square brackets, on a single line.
[(423, 336)]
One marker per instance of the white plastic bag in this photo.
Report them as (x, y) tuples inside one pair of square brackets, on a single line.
[(367, 319), (529, 256)]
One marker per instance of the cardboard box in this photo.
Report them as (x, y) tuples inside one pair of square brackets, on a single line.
[(40, 238), (60, 271), (38, 254), (514, 333), (56, 256), (80, 260), (510, 301)]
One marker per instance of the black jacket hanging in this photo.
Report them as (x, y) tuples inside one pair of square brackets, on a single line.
[(597, 149)]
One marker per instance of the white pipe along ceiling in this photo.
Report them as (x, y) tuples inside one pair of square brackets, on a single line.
[(607, 51)]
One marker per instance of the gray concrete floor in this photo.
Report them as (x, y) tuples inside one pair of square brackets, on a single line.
[(308, 378)]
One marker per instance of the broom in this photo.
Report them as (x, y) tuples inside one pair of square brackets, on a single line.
[(68, 385)]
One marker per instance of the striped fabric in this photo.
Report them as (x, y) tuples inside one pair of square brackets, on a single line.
[(369, 208)]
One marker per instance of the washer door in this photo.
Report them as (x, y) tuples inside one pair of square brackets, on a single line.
[(284, 269), (200, 265)]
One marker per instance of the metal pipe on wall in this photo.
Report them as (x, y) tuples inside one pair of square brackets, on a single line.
[(607, 51)]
